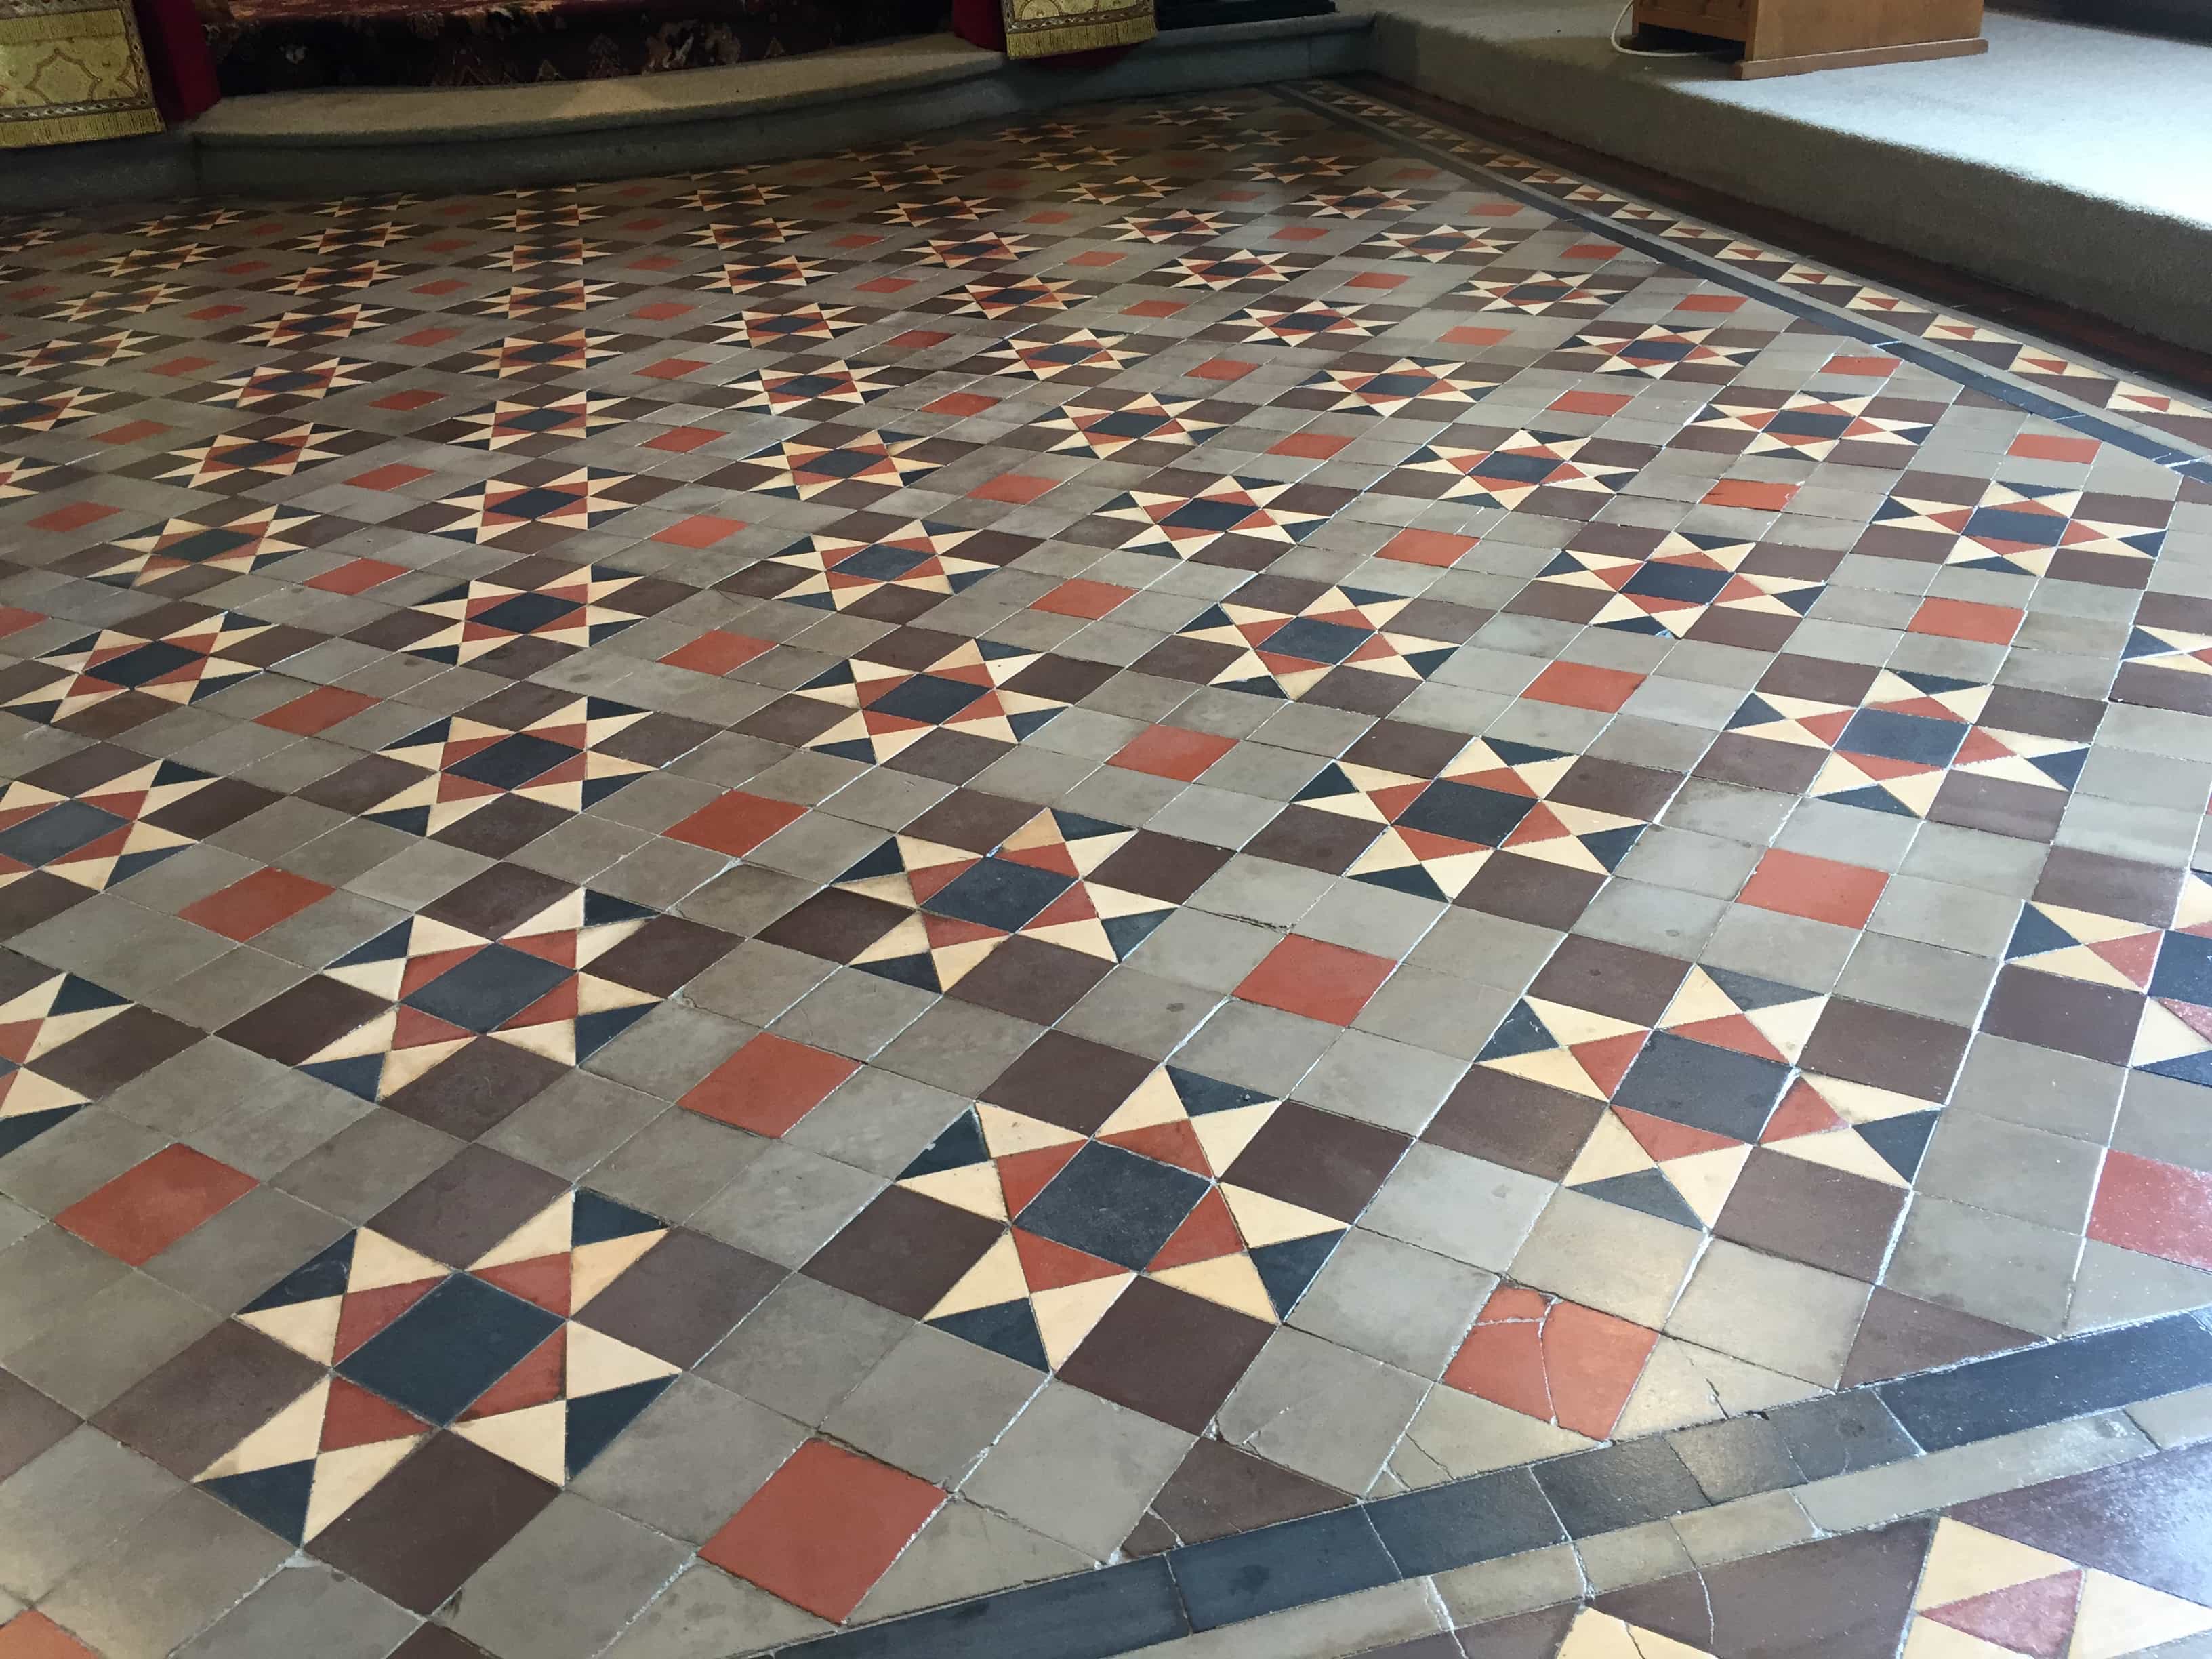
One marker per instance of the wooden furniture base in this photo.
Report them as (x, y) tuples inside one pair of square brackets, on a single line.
[(1792, 37)]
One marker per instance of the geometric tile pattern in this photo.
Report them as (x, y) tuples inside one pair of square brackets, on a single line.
[(911, 867)]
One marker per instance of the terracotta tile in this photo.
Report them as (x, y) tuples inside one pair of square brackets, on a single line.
[(1759, 496), (1431, 547), (700, 530), (1553, 1360), (1962, 619), (768, 1084), (2160, 1209), (736, 823), (1579, 685), (150, 1206), (824, 1528), (255, 903), (1318, 980), (2037, 446), (317, 711), (1080, 597), (1170, 751), (32, 1635), (717, 652), (1820, 889)]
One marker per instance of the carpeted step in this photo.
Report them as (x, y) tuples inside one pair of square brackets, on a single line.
[(289, 45)]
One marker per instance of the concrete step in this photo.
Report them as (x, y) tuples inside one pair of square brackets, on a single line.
[(2068, 162)]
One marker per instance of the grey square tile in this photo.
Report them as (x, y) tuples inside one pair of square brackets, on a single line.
[(932, 1404), (1077, 1469), (1393, 1302)]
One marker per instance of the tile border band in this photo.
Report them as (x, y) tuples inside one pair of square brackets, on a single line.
[(1193, 1588), (2156, 446)]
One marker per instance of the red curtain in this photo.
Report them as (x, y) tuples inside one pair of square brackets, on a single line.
[(177, 57), (980, 23)]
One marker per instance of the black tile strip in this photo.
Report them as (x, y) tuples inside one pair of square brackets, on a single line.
[(1482, 1519), (1842, 1433), (2051, 1383), (1225, 1581), (2147, 445), (1114, 1610), (1619, 1486), (1087, 1615)]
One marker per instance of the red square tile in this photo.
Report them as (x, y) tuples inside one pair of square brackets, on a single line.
[(1222, 369), (683, 440), (1579, 685), (962, 404), (1300, 234), (1821, 890), (2160, 1209), (700, 530), (768, 1084), (1078, 597), (1096, 258), (1558, 1362), (1592, 403), (1874, 369), (827, 1525), (444, 285), (919, 339), (429, 337), (1018, 488), (736, 823), (75, 516), (1309, 445), (1963, 619), (885, 285), (183, 365), (1318, 980), (1385, 279), (1721, 302), (672, 368), (317, 711), (663, 310), (35, 1636), (407, 401), (1593, 250), (1439, 547), (148, 1207), (2035, 446), (1474, 334), (717, 652), (254, 903), (1170, 751), (1154, 308), (131, 431), (1754, 493), (390, 477), (355, 576)]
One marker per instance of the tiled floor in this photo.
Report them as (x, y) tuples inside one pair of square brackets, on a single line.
[(742, 904), (2108, 1563)]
